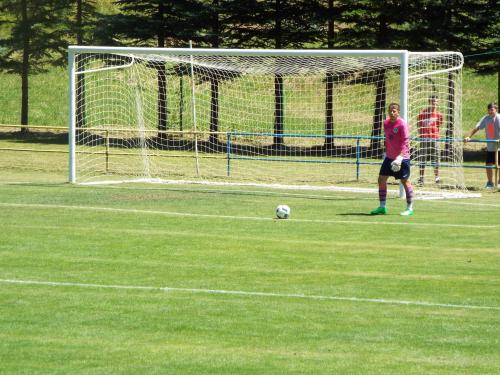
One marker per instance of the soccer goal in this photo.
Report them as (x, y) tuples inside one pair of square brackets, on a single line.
[(299, 118)]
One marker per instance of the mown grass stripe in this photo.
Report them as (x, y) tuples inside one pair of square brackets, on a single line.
[(255, 218), (248, 293)]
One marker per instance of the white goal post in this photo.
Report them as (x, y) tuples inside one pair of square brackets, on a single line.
[(300, 118)]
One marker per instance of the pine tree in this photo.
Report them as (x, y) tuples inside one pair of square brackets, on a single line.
[(81, 28), (457, 25), (82, 21), (159, 23), (35, 40)]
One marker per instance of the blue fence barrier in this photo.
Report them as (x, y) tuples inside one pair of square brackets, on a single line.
[(358, 162)]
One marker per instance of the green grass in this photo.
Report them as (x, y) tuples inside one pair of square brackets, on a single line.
[(48, 98), (226, 239), (478, 91)]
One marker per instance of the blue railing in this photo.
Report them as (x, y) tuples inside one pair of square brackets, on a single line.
[(358, 160)]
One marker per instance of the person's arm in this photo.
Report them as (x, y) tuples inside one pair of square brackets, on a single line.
[(481, 124), (419, 119), (440, 121), (405, 141), (471, 133)]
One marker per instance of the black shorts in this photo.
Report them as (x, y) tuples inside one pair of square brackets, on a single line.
[(490, 157), (402, 174)]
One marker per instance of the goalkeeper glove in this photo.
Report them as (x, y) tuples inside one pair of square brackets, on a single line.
[(396, 164)]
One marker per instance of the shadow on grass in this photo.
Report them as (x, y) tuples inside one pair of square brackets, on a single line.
[(356, 214), (37, 184), (236, 193), (40, 137)]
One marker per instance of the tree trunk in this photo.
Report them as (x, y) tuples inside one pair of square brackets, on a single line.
[(378, 116), (214, 82), (278, 110), (380, 90), (80, 79), (161, 76), (25, 67), (161, 25), (162, 99), (79, 23), (278, 82), (331, 25), (215, 25), (329, 126), (80, 94), (214, 110), (450, 122), (181, 102)]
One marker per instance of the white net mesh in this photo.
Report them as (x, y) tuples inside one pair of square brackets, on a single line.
[(434, 113), (294, 120)]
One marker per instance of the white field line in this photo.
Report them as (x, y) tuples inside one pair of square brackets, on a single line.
[(232, 217), (456, 202), (247, 293), (424, 195)]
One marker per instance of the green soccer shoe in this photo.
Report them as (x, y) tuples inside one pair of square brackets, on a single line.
[(379, 211)]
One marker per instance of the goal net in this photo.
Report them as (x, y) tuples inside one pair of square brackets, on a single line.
[(269, 117)]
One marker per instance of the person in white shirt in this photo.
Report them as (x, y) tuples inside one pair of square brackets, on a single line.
[(491, 124)]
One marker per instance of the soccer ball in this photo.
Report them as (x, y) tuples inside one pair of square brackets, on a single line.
[(283, 211)]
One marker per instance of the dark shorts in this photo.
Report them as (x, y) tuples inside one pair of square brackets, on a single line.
[(490, 157), (403, 174), (428, 151)]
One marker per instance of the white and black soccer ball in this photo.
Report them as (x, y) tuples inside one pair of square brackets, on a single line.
[(283, 211)]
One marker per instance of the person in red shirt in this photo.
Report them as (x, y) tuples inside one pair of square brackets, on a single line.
[(429, 122)]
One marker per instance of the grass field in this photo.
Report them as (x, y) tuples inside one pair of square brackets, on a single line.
[(173, 279), (138, 279)]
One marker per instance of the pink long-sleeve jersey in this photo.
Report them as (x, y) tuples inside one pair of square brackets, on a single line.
[(397, 138)]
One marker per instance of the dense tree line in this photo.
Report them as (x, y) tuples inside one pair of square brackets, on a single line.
[(34, 34)]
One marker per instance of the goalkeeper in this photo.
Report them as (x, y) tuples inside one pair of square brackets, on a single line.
[(397, 160)]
